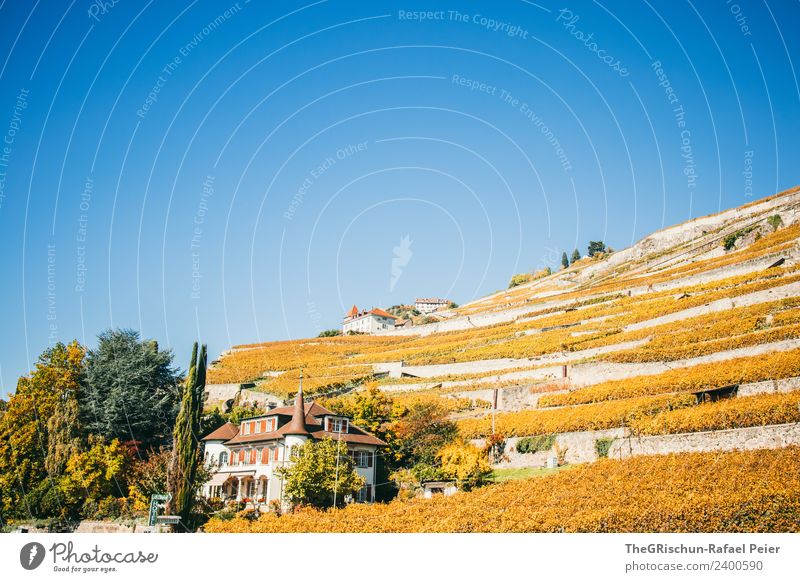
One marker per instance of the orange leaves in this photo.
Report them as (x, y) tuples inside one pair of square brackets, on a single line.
[(740, 491), (599, 416), (737, 371), (742, 412)]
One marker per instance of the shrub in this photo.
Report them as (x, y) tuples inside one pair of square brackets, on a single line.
[(530, 445), (520, 279), (602, 446), (775, 221)]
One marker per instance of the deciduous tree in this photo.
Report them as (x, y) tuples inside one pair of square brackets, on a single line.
[(38, 432), (318, 470)]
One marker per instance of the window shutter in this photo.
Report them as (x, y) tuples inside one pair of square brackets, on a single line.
[(275, 453), (369, 459), (241, 456)]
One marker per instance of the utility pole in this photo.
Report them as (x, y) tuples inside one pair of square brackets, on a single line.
[(336, 481), (494, 411)]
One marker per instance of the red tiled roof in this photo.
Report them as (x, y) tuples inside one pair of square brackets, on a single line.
[(353, 312), (382, 313), (223, 433), (313, 427), (357, 436), (252, 438)]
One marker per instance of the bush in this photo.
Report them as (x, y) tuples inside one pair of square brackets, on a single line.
[(520, 279), (602, 446), (530, 445), (775, 221)]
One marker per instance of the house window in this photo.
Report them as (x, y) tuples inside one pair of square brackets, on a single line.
[(233, 458), (246, 428), (364, 494), (223, 459), (336, 424), (362, 459)]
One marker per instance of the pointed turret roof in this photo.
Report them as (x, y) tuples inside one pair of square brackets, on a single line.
[(353, 312), (298, 423)]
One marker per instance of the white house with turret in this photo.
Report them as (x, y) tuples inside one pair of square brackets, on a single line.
[(373, 321), (247, 455)]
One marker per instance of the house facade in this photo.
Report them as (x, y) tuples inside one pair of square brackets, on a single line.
[(372, 321), (430, 304), (248, 455)]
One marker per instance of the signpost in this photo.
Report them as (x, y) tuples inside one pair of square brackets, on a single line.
[(157, 501)]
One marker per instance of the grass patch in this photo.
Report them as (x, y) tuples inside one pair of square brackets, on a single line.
[(517, 474)]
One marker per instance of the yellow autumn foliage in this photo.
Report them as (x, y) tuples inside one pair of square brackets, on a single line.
[(600, 416), (772, 366), (739, 491), (758, 410)]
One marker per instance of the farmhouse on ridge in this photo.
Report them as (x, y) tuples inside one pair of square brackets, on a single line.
[(430, 304)]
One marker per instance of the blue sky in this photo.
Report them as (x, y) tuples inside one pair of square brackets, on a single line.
[(244, 172)]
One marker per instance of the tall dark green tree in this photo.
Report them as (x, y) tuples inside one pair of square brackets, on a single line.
[(596, 246), (183, 471), (131, 389), (564, 260), (576, 256)]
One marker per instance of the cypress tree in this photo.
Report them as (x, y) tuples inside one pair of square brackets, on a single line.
[(185, 444), (564, 260), (576, 255)]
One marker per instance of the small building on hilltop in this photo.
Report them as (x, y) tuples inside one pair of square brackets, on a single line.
[(430, 304), (372, 321), (248, 455)]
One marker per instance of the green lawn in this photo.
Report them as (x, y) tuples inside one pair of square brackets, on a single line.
[(500, 475)]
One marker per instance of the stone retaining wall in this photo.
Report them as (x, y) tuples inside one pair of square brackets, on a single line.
[(581, 445), (758, 437)]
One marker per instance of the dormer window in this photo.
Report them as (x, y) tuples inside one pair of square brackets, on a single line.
[(258, 426), (336, 424)]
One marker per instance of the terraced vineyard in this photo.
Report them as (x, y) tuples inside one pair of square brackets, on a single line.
[(686, 345), (733, 492)]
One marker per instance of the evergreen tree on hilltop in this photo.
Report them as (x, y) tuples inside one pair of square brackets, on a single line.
[(576, 256), (596, 246), (564, 260)]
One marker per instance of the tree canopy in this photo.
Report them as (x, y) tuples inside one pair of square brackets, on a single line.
[(131, 389), (319, 469)]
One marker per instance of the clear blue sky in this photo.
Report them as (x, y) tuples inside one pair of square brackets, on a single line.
[(243, 172)]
